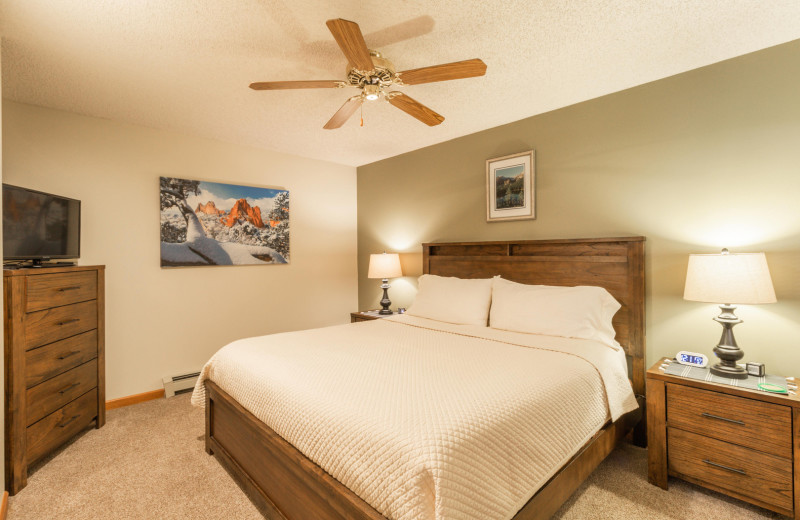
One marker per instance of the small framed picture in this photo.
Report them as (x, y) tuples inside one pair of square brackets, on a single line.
[(510, 186)]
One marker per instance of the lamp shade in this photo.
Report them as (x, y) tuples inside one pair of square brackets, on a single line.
[(385, 265), (729, 278)]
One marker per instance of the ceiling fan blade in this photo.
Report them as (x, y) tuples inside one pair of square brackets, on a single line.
[(351, 41), (282, 85), (415, 109), (343, 114), (448, 71)]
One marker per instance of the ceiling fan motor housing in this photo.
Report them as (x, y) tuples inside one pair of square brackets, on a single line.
[(382, 74)]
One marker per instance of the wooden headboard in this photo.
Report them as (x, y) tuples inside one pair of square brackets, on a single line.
[(617, 264)]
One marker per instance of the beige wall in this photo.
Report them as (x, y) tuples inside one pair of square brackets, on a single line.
[(165, 321), (695, 162)]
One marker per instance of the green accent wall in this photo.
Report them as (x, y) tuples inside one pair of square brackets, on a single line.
[(695, 162)]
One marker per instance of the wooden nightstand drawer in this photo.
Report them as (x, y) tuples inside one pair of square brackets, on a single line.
[(762, 478), (54, 393), (43, 327), (762, 426), (56, 358), (53, 290)]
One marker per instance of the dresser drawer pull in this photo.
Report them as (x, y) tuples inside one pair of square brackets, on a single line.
[(68, 388), (73, 288), (717, 417), (727, 468), (65, 322), (65, 423), (68, 354)]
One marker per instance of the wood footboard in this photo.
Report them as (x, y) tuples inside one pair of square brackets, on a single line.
[(280, 480), (285, 485)]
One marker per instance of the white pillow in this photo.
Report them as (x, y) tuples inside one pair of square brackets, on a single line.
[(572, 312), (453, 300)]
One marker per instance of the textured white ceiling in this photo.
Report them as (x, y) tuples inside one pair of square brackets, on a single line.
[(186, 64)]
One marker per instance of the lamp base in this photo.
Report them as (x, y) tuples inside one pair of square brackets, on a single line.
[(736, 372), (385, 301), (727, 350)]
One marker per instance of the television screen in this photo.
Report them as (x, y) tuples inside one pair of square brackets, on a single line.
[(39, 225)]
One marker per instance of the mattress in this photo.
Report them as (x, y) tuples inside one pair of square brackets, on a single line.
[(426, 420)]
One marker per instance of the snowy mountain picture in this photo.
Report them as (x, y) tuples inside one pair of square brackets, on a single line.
[(208, 223)]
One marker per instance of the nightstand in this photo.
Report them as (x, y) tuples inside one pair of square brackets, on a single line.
[(743, 443), (367, 316)]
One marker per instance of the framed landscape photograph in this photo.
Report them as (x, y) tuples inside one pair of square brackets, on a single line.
[(510, 186), (210, 223)]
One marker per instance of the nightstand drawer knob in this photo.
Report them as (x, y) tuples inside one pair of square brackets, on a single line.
[(726, 468), (717, 417)]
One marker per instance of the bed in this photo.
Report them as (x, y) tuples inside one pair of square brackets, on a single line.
[(466, 478)]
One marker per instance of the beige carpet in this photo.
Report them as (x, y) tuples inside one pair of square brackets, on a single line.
[(148, 462)]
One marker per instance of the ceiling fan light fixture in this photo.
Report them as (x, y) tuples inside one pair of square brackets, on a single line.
[(371, 92)]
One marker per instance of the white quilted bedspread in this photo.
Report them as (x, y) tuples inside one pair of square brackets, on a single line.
[(426, 420)]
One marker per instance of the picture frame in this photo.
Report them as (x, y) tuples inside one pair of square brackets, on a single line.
[(212, 223), (511, 187)]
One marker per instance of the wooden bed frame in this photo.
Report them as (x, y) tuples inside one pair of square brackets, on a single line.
[(286, 485)]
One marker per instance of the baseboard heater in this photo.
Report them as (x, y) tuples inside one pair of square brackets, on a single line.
[(180, 384)]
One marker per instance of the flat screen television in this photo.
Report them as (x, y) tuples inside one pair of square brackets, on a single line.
[(39, 226)]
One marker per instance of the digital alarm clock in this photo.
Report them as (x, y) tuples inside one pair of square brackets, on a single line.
[(692, 359)]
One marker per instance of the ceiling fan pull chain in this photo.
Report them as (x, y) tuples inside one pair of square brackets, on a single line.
[(362, 114)]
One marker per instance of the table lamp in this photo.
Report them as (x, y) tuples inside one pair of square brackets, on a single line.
[(385, 266), (728, 279)]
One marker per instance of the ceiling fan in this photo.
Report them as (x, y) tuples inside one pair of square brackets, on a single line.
[(369, 71)]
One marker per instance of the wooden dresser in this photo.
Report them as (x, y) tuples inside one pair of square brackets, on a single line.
[(54, 361), (743, 443)]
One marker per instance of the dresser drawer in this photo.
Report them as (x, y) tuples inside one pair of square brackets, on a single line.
[(54, 393), (759, 476), (56, 358), (60, 425), (763, 426), (53, 290), (43, 327)]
